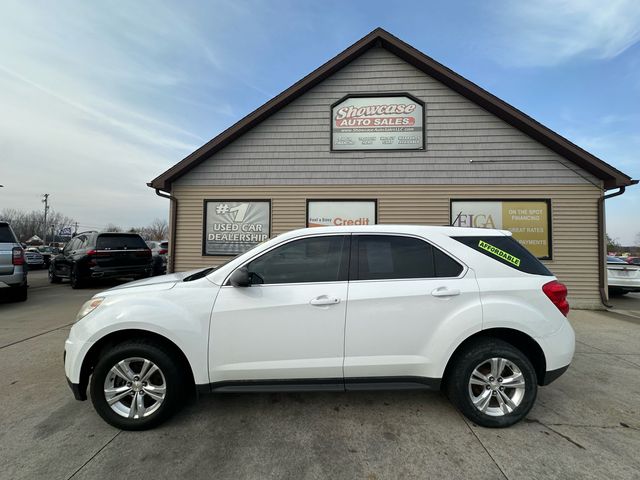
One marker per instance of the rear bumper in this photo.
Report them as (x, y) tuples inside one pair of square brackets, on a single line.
[(558, 349), (98, 272), (628, 284), (552, 375), (16, 279)]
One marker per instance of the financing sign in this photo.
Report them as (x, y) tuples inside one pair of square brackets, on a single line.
[(233, 227), (336, 213), (527, 220), (377, 123)]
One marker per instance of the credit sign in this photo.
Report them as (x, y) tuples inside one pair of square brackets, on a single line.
[(337, 213)]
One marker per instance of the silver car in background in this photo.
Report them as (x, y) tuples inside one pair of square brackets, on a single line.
[(34, 258), (13, 268), (159, 250)]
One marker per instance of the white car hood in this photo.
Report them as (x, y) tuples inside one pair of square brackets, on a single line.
[(162, 282)]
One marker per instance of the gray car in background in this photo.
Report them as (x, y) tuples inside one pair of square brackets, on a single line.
[(13, 268)]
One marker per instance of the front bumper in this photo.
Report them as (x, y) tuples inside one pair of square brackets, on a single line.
[(75, 352), (79, 392)]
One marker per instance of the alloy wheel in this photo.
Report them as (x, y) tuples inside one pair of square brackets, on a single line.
[(496, 386), (135, 388)]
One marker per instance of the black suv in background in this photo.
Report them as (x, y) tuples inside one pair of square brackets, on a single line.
[(94, 255)]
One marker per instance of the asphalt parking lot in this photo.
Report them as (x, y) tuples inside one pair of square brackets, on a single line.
[(585, 425)]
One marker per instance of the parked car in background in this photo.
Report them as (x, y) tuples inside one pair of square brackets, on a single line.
[(633, 260), (623, 277), (159, 252), (13, 269), (95, 255), (33, 258), (47, 253), (467, 310)]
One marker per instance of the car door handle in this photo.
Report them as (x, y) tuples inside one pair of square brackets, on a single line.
[(445, 292), (324, 300)]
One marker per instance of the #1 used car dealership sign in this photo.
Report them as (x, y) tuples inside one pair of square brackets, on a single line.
[(377, 123), (233, 227)]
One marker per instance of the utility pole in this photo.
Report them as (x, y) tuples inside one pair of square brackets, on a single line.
[(45, 200), (75, 232)]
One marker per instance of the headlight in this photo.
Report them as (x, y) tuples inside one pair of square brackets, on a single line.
[(89, 307)]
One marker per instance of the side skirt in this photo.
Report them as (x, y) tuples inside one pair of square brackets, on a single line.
[(322, 385)]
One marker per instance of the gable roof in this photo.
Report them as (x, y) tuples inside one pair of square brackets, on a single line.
[(611, 177)]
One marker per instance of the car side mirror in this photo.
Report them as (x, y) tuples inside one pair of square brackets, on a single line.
[(240, 278)]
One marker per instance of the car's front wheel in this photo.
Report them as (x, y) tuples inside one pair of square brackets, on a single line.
[(492, 383), (136, 385), (53, 278)]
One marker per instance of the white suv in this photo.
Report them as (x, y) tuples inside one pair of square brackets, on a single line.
[(470, 311)]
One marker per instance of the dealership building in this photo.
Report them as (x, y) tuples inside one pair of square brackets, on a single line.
[(384, 134)]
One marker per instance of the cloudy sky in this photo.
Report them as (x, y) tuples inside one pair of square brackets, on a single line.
[(98, 98)]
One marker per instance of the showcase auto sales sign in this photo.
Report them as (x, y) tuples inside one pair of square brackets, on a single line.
[(377, 123)]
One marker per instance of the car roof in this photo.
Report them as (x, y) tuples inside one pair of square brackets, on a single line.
[(402, 229)]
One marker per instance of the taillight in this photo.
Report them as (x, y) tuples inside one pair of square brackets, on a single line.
[(17, 256), (143, 253), (557, 293), (162, 251)]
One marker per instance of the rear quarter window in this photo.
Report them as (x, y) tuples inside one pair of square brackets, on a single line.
[(6, 235), (120, 242), (507, 251)]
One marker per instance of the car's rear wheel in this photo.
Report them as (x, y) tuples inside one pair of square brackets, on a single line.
[(75, 279), (492, 383), (136, 385)]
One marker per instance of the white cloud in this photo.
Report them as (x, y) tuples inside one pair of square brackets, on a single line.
[(549, 32)]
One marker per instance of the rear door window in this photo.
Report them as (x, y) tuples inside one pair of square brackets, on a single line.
[(508, 251), (120, 242), (388, 257)]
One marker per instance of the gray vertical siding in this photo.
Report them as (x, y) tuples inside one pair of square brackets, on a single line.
[(292, 147)]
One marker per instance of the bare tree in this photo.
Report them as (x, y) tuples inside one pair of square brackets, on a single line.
[(112, 228), (27, 224), (158, 230)]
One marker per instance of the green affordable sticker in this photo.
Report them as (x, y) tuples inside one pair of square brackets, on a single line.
[(499, 253)]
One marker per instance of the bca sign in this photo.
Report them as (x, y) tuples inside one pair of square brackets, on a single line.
[(377, 123)]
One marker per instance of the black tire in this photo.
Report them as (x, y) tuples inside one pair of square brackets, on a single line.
[(617, 292), (459, 390), (174, 380), (20, 294), (53, 278), (75, 278)]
